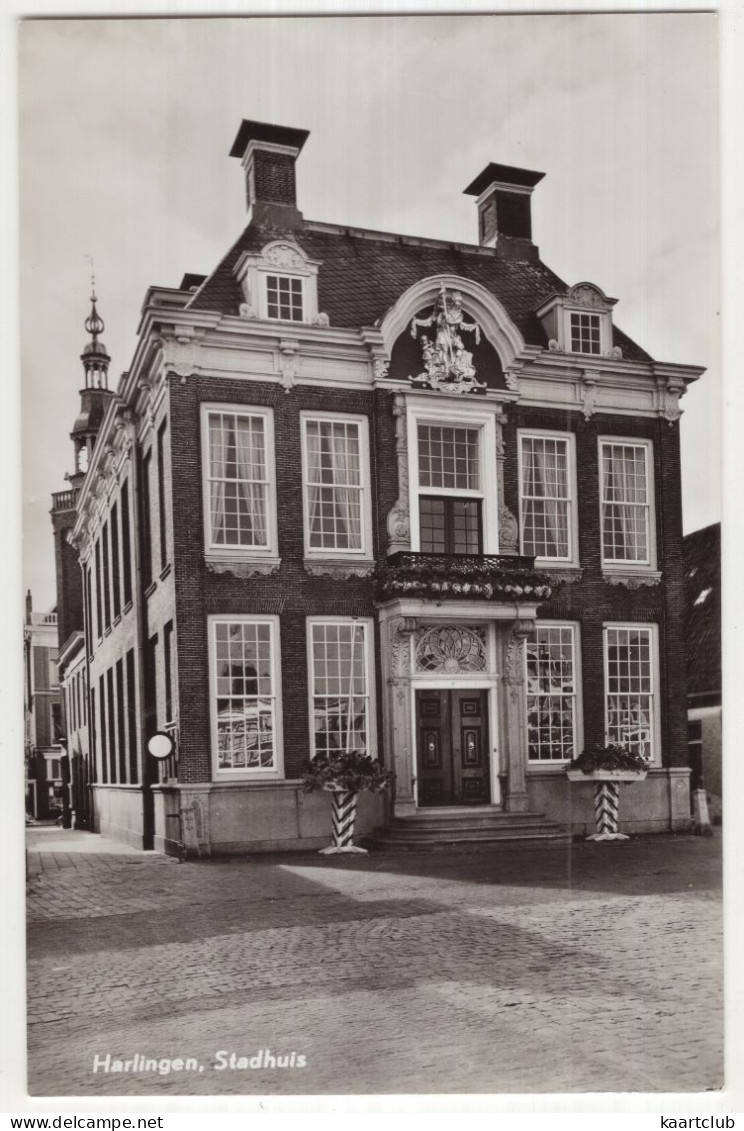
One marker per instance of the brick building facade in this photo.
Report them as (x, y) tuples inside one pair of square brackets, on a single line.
[(372, 491), (45, 778)]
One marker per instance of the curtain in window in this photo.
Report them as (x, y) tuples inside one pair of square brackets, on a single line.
[(217, 474), (551, 483), (625, 500), (249, 452), (546, 494), (335, 509), (237, 480)]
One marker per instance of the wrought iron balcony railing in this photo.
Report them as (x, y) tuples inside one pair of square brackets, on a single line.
[(490, 577)]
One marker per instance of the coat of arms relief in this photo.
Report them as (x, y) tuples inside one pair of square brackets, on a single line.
[(448, 366)]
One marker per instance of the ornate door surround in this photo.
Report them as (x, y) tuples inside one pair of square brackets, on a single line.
[(456, 647)]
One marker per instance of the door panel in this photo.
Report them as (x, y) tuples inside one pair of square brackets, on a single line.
[(452, 748), (470, 760), (434, 756)]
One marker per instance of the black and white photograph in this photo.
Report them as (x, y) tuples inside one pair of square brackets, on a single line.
[(370, 380)]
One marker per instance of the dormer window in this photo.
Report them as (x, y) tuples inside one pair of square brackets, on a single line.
[(585, 333), (280, 284), (580, 322), (284, 298)]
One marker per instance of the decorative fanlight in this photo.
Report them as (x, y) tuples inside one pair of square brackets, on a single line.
[(452, 649)]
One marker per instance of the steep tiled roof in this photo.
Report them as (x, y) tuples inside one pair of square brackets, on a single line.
[(702, 551), (361, 276)]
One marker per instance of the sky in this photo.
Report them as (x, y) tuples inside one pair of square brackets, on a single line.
[(125, 128)]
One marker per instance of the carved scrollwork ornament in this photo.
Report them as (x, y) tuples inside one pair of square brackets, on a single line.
[(672, 393), (400, 630), (380, 367), (508, 531), (398, 519), (514, 664), (288, 364), (283, 255), (589, 394)]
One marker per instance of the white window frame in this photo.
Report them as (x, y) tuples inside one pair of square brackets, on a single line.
[(591, 314), (281, 273), (216, 551), (369, 653), (572, 559), (50, 767), (653, 630), (247, 774), (605, 329), (316, 553), (620, 565), (578, 736), (456, 416), (282, 258)]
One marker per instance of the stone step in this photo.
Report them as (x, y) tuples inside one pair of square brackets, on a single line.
[(485, 824), (470, 821), (527, 839)]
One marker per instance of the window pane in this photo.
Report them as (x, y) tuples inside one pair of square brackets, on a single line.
[(630, 689), (551, 694), (449, 525), (585, 333), (334, 476), (625, 503), (245, 695), (238, 480), (448, 457), (545, 497), (340, 688), (284, 297)]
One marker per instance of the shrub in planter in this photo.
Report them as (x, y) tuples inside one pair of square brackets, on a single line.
[(344, 774), (609, 757), (608, 764)]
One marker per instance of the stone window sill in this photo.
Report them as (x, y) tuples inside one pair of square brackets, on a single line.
[(341, 569), (632, 579), (243, 567)]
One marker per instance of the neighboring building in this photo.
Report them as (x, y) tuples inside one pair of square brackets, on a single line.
[(364, 490), (72, 661), (43, 715), (703, 591)]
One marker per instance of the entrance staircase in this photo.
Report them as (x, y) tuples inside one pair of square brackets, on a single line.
[(482, 824)]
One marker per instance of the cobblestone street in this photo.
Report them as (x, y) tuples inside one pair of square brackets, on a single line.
[(594, 968)]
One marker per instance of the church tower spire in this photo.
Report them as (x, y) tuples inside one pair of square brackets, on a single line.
[(95, 357), (95, 394)]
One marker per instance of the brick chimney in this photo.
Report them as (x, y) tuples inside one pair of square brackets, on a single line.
[(504, 206), (268, 154)]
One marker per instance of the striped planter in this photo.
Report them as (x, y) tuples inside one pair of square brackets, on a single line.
[(607, 799), (344, 805)]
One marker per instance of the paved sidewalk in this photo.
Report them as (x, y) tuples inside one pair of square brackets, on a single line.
[(596, 968)]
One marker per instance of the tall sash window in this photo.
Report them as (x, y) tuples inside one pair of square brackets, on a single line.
[(625, 503), (238, 480), (335, 486), (245, 687), (630, 688), (340, 686), (545, 464)]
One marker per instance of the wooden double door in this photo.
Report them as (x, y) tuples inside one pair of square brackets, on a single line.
[(452, 747)]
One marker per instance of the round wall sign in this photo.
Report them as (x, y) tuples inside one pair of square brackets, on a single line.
[(160, 745)]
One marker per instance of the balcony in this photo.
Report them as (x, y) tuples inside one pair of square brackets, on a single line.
[(64, 500), (481, 577)]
